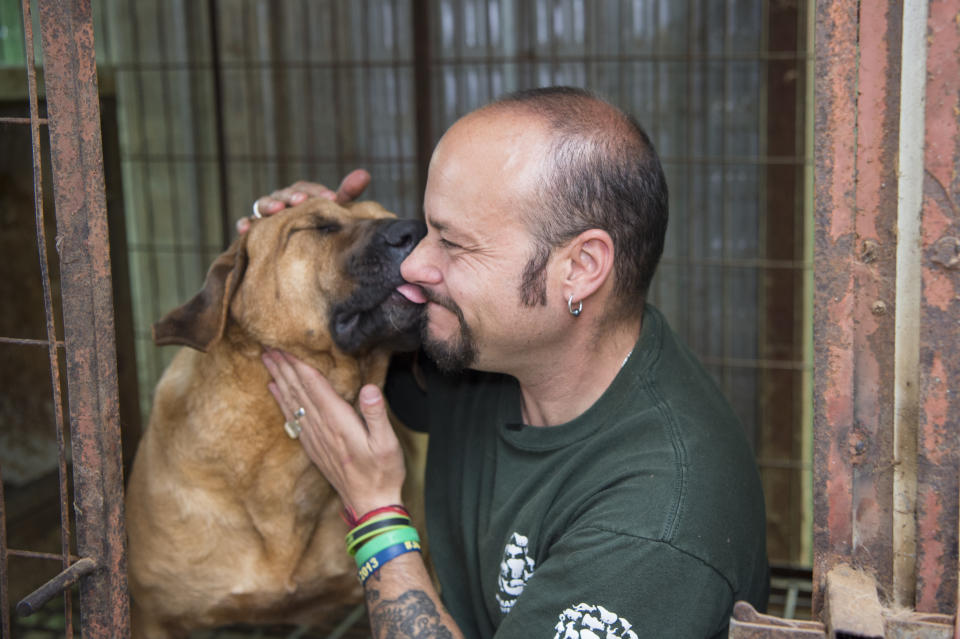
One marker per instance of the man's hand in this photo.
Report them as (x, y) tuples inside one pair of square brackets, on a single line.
[(361, 457), (350, 188), (358, 454)]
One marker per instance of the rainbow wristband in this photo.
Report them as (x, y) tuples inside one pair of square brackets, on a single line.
[(378, 543), (363, 531), (374, 563)]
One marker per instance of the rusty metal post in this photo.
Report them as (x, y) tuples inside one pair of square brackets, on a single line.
[(856, 127), (939, 393), (78, 181), (887, 440)]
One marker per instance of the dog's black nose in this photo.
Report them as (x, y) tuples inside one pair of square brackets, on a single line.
[(403, 235)]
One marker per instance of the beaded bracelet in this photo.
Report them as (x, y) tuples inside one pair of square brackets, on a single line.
[(378, 543), (374, 563)]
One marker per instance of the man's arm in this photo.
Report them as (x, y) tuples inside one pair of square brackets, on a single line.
[(360, 456), (618, 585), (402, 602)]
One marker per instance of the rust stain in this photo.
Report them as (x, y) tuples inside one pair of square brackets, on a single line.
[(930, 560), (937, 207), (838, 394), (839, 485), (938, 288), (938, 441), (872, 120), (839, 112), (936, 407), (943, 99)]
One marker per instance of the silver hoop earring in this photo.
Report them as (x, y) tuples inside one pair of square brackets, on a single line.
[(574, 311)]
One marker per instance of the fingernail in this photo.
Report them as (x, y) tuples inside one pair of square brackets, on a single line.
[(328, 195), (296, 198)]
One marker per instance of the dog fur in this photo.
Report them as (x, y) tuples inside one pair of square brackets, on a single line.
[(227, 519)]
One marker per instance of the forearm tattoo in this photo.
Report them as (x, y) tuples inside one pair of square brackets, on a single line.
[(413, 614)]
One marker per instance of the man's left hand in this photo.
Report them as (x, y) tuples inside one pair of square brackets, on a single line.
[(359, 454)]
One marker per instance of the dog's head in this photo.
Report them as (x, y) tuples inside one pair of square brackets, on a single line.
[(315, 276)]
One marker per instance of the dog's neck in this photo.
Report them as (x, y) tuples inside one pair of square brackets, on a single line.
[(346, 373)]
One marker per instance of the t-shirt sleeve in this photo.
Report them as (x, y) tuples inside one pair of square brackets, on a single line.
[(597, 583)]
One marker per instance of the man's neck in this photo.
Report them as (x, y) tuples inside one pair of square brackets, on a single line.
[(576, 376)]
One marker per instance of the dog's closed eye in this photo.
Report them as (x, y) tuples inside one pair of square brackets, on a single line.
[(325, 227)]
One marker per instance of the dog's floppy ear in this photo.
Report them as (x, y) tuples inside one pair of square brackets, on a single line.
[(201, 321)]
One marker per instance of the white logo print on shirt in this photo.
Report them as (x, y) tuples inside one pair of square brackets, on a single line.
[(584, 621), (515, 569)]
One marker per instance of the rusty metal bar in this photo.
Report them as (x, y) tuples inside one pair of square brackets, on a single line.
[(856, 127), (747, 623), (59, 584), (10, 120), (29, 342), (870, 442), (939, 405), (30, 554), (49, 315), (78, 180), (834, 126)]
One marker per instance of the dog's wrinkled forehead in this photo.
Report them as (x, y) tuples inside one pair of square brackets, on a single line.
[(319, 217)]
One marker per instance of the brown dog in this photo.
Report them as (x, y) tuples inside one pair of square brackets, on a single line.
[(228, 520)]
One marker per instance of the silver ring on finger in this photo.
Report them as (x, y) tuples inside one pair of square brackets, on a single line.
[(300, 413), (256, 210), (292, 429)]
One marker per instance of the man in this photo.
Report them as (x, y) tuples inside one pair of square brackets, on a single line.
[(591, 479)]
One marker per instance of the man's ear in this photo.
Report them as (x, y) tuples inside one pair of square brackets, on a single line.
[(589, 263), (201, 321)]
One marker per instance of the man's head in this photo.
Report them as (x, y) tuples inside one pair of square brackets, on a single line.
[(601, 172), (538, 197)]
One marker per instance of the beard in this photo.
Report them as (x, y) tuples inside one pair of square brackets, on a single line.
[(456, 353)]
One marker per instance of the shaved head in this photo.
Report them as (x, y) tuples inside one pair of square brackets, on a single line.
[(601, 171)]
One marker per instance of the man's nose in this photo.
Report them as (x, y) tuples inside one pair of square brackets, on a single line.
[(418, 269)]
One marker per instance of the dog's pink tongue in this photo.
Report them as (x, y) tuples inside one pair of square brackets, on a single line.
[(412, 292)]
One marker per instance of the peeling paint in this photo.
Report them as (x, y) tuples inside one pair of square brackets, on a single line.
[(938, 289), (929, 569)]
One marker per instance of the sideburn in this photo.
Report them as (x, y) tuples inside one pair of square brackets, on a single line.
[(533, 284)]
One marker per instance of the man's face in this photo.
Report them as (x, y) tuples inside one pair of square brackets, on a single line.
[(471, 262)]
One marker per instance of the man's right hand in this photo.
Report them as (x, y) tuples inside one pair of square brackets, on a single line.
[(350, 188)]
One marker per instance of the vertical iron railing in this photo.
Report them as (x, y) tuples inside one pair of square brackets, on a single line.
[(73, 121)]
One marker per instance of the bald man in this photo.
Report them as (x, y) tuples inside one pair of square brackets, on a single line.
[(585, 475)]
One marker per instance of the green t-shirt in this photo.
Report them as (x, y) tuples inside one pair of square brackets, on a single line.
[(642, 517)]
